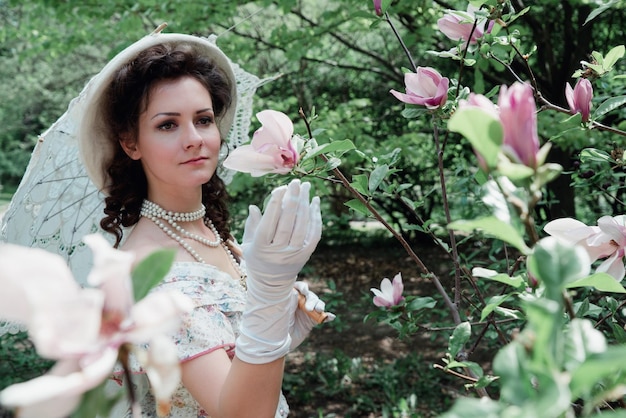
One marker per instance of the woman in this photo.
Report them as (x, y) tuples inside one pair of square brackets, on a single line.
[(155, 120)]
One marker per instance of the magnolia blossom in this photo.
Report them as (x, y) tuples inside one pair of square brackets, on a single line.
[(579, 98), (425, 87), (378, 7), (607, 240), (458, 25), (519, 120), (390, 294), (516, 112), (81, 328), (271, 150)]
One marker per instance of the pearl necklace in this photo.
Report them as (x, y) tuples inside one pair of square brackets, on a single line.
[(155, 213)]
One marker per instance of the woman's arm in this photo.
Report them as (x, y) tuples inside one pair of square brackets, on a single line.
[(236, 389)]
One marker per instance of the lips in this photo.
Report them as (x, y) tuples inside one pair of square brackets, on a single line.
[(195, 160)]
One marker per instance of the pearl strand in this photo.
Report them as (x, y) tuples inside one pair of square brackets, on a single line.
[(155, 213), (174, 216)]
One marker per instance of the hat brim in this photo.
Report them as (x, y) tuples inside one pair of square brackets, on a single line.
[(95, 147)]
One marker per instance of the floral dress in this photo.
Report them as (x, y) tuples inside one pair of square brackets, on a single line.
[(213, 324)]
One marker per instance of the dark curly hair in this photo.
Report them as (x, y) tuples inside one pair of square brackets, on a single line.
[(125, 99)]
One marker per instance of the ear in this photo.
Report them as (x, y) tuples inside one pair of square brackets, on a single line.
[(129, 145)]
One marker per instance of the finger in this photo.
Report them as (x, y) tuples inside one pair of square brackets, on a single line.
[(300, 230), (302, 287), (287, 221), (269, 221), (252, 222), (314, 303), (314, 232), (330, 317)]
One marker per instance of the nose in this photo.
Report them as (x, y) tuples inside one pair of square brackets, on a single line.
[(191, 137)]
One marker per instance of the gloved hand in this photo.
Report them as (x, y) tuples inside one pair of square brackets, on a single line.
[(275, 246), (301, 323)]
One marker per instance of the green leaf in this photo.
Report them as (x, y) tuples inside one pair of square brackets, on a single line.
[(599, 10), (377, 176), (612, 56), (459, 338), (358, 206), (360, 184), (150, 271), (581, 341), (601, 281), (515, 172), (96, 402), (335, 146), (597, 367), (492, 304), (494, 227), (481, 129), (557, 264), (515, 281), (609, 105), (592, 154), (420, 303), (474, 408)]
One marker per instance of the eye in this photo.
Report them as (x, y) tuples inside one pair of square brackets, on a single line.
[(205, 120), (166, 126)]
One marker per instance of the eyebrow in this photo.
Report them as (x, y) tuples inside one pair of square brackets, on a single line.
[(208, 109)]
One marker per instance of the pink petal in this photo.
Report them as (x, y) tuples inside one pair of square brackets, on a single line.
[(30, 277), (398, 288), (570, 229), (614, 228), (159, 312), (277, 129), (57, 393), (613, 266), (382, 302), (519, 120), (246, 159), (111, 273), (162, 367), (68, 328), (569, 96), (408, 98)]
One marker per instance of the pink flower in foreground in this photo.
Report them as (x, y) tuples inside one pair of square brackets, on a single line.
[(425, 87), (82, 329), (378, 7), (481, 102), (519, 121), (390, 294), (271, 150), (607, 240), (457, 25), (579, 98)]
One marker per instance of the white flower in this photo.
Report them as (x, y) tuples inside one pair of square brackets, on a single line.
[(82, 329)]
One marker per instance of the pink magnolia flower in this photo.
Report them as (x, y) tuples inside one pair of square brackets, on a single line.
[(579, 98), (82, 329), (519, 121), (390, 294), (378, 7), (481, 102), (457, 25), (271, 150), (607, 240), (425, 87)]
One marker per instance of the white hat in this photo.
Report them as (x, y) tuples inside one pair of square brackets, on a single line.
[(96, 149)]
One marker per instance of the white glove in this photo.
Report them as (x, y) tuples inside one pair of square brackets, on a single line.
[(301, 322), (275, 246)]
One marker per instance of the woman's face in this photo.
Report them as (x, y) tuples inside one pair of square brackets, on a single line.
[(178, 140)]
